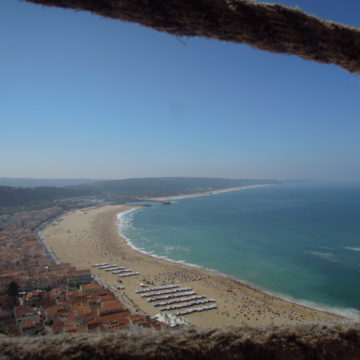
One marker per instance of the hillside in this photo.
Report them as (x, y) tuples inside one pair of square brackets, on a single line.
[(14, 197), (35, 182), (17, 198)]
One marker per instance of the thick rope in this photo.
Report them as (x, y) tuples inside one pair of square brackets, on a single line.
[(270, 27), (320, 342)]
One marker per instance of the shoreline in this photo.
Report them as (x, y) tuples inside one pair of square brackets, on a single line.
[(87, 236), (313, 306)]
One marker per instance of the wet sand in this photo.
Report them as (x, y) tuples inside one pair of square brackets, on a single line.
[(88, 236)]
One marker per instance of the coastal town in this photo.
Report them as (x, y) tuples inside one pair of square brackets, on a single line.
[(39, 295)]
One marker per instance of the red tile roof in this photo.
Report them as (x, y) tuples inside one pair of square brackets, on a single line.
[(23, 309), (89, 286), (27, 324)]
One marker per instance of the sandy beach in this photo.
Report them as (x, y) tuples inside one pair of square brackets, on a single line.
[(88, 236), (204, 193)]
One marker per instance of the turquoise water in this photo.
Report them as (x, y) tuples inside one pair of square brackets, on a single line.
[(300, 241)]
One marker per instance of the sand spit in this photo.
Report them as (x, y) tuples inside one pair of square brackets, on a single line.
[(89, 236), (211, 192)]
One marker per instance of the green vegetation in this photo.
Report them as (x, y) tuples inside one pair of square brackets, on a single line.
[(32, 182), (13, 196)]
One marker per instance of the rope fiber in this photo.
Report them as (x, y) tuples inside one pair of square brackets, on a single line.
[(271, 27), (301, 342)]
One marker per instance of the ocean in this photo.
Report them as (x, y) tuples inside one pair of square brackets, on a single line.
[(300, 241)]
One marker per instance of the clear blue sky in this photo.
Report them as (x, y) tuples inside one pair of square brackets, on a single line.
[(85, 96)]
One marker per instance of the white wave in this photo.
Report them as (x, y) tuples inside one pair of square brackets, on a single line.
[(125, 218), (352, 248), (169, 248), (327, 256), (124, 221)]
